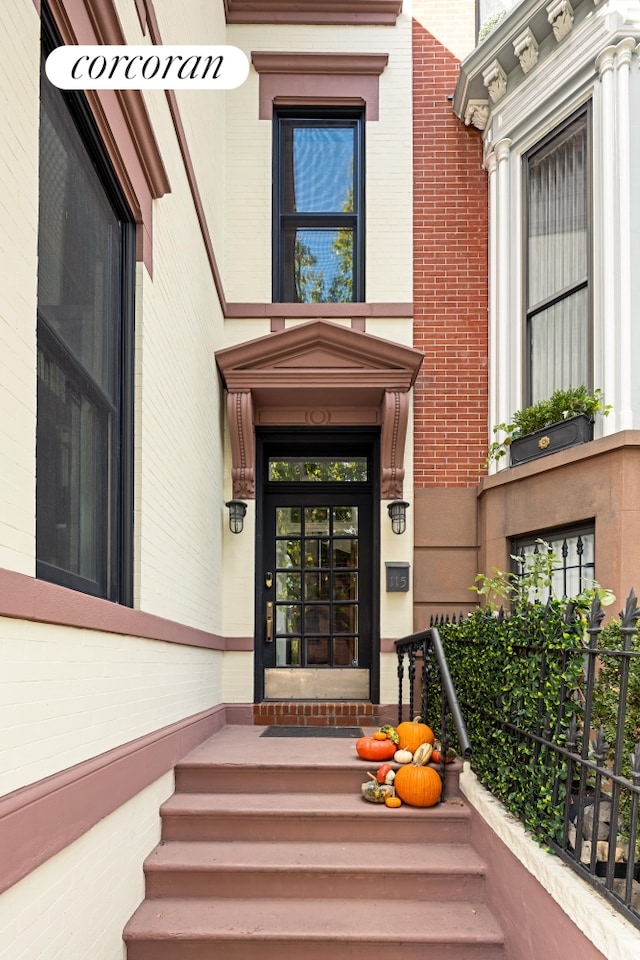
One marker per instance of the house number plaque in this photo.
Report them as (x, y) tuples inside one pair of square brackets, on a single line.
[(397, 577)]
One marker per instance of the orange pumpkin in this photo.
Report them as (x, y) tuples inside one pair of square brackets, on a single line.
[(393, 801), (370, 749), (413, 734), (418, 786)]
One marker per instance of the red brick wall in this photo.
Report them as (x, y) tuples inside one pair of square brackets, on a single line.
[(450, 274)]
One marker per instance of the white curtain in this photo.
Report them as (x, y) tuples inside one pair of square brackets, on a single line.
[(557, 262)]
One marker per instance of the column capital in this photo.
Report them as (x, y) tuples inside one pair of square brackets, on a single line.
[(606, 61), (502, 149)]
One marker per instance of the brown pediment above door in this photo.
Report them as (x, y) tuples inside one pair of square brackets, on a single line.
[(318, 373)]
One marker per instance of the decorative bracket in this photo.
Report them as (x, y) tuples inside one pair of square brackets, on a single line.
[(495, 80), (240, 412), (560, 16), (526, 50), (477, 113), (395, 416)]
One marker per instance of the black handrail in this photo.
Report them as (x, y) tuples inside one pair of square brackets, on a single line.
[(425, 643)]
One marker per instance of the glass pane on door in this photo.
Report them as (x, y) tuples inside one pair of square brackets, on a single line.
[(316, 586)]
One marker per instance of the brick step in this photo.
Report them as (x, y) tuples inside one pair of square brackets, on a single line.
[(194, 929), (309, 817), (279, 777), (321, 870)]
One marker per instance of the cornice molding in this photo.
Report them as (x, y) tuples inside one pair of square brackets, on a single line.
[(346, 64), (353, 12), (318, 78)]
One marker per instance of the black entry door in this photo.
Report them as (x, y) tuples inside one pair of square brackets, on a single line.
[(316, 619)]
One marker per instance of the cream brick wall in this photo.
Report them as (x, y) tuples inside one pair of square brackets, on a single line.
[(237, 685), (202, 111), (179, 414), (19, 86), (388, 162), (455, 33), (69, 695), (75, 906)]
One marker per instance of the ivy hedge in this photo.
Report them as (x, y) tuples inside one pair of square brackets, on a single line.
[(518, 682)]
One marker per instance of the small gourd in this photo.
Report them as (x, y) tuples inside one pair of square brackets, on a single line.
[(375, 792), (391, 733), (383, 772), (422, 755), (403, 756), (393, 801), (380, 735)]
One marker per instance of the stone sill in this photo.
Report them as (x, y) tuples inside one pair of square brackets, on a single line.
[(585, 451)]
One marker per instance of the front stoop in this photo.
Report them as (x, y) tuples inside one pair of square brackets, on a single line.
[(269, 850)]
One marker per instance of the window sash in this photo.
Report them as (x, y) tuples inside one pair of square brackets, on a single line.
[(318, 239), (86, 287), (558, 261)]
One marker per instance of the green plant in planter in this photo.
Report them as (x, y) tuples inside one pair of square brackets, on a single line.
[(562, 405)]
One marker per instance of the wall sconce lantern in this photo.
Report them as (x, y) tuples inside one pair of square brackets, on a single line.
[(398, 513), (237, 511)]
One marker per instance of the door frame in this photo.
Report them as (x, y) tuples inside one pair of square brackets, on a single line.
[(291, 441)]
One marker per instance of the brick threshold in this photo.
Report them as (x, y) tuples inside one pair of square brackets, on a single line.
[(316, 713)]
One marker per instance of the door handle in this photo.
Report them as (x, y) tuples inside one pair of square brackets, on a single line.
[(269, 622)]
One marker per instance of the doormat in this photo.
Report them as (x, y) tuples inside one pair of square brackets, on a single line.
[(340, 732)]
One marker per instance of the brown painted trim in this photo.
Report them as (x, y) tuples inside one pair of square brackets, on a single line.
[(25, 598), (342, 64), (121, 117), (239, 644), (318, 311), (319, 78), (141, 10), (40, 820), (388, 644), (363, 12)]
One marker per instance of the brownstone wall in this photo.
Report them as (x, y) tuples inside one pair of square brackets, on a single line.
[(450, 303)]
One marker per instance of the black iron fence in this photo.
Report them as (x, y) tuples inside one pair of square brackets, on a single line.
[(422, 665), (551, 700)]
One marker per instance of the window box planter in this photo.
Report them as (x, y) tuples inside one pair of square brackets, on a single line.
[(562, 421), (557, 436)]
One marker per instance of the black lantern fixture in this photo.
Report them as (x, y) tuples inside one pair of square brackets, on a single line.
[(398, 513), (237, 511)]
